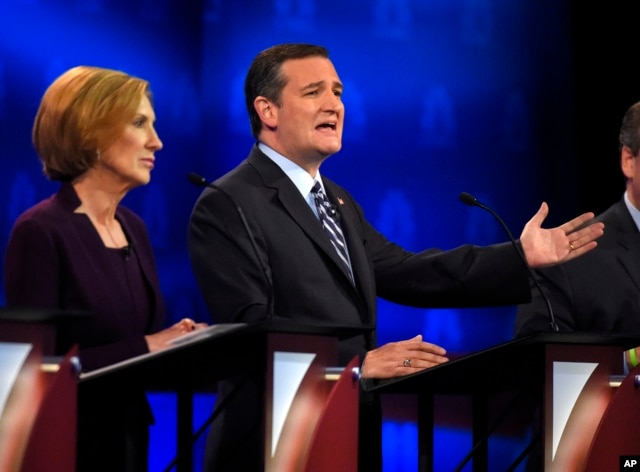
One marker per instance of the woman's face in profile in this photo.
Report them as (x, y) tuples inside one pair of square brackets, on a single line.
[(131, 157)]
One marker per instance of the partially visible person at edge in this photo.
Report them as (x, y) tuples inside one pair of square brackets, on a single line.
[(293, 96), (599, 292), (80, 250)]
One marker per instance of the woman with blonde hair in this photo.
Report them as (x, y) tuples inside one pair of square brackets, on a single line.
[(81, 250)]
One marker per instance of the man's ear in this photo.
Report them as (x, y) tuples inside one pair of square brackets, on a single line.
[(627, 162), (267, 111)]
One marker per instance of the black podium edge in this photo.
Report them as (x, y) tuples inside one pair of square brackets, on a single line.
[(485, 369), (34, 315), (222, 333)]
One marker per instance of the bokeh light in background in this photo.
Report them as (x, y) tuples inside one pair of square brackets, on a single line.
[(441, 96)]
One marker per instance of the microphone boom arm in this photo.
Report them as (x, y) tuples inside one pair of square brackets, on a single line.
[(202, 182), (470, 200)]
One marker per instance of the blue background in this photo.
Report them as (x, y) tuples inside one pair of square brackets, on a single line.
[(500, 98)]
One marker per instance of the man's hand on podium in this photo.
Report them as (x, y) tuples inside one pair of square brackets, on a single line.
[(162, 339), (402, 358)]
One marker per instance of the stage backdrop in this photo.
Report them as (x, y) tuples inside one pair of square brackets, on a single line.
[(441, 96)]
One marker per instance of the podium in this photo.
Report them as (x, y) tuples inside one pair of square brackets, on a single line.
[(311, 407), (567, 382), (41, 397), (33, 326), (36, 399)]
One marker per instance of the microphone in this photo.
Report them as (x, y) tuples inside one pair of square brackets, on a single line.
[(470, 200), (126, 251), (200, 181)]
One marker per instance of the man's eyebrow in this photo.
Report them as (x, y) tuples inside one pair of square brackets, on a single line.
[(320, 83), (313, 85)]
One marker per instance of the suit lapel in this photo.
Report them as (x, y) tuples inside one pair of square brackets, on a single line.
[(351, 227), (629, 256), (295, 205), (627, 240), (299, 210), (348, 225)]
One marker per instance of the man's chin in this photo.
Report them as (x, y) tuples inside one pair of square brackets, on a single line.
[(329, 150)]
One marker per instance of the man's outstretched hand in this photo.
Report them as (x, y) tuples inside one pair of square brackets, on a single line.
[(546, 247)]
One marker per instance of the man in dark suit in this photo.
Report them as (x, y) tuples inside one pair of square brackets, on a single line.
[(293, 96), (601, 291)]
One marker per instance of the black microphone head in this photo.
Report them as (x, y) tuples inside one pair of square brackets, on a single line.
[(197, 179), (468, 199)]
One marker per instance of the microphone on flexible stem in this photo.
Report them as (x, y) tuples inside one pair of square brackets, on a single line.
[(470, 200), (220, 407), (202, 182)]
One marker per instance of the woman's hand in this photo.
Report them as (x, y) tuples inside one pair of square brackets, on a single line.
[(161, 339)]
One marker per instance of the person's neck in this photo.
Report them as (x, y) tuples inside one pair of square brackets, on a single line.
[(309, 164), (99, 201)]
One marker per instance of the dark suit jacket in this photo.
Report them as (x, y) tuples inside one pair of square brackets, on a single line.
[(56, 259), (296, 273), (598, 292)]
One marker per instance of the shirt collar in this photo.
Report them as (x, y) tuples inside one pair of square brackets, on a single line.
[(635, 213), (300, 177)]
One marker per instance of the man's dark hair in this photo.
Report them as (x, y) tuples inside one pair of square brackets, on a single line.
[(630, 130), (265, 77)]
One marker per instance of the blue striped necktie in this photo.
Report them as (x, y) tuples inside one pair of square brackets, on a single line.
[(329, 219)]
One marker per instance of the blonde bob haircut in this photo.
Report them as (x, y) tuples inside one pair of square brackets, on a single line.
[(83, 111)]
